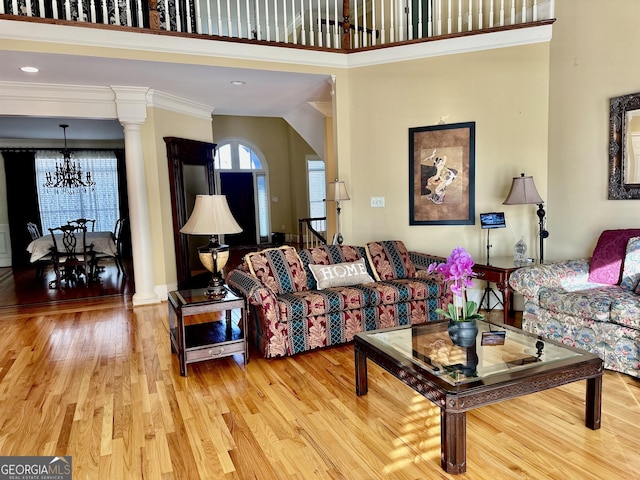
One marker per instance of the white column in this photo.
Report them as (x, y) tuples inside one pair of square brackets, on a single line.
[(132, 113)]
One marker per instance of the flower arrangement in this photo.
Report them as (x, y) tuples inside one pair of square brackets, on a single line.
[(458, 269)]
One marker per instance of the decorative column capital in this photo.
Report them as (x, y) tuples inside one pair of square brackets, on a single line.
[(131, 104)]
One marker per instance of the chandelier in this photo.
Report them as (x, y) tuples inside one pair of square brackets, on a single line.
[(68, 174)]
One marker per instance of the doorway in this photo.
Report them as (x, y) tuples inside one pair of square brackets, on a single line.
[(238, 187)]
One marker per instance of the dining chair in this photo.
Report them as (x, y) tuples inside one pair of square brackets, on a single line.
[(40, 264), (117, 239), (84, 222), (72, 257)]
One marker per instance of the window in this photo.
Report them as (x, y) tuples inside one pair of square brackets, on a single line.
[(317, 192), (101, 203), (236, 156)]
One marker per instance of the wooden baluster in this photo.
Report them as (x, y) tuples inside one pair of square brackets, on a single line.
[(312, 33), (28, 5), (480, 19), (40, 7), (92, 11), (327, 25), (188, 12), (356, 33), (80, 11), (382, 24), (178, 19), (470, 16), (249, 28), (67, 9), (229, 24), (419, 35), (266, 20), (105, 12), (258, 27), (128, 13), (154, 14), (220, 17), (346, 25), (459, 16), (449, 17), (524, 11), (303, 31), (392, 32), (491, 14), (293, 16), (535, 10), (501, 13), (513, 12), (373, 23), (238, 17), (140, 22), (276, 17), (319, 23)]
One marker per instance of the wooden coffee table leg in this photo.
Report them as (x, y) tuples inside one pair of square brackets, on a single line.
[(362, 383), (594, 402), (453, 441)]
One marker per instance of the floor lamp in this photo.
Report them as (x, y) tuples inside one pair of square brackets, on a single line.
[(337, 192), (523, 192)]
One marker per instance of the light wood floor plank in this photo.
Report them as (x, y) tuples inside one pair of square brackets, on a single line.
[(98, 382)]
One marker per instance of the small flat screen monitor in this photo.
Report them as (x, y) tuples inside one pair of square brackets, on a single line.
[(492, 220)]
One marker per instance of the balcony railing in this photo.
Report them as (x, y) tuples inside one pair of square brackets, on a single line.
[(323, 24)]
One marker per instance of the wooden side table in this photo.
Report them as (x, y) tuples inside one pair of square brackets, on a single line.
[(498, 272), (196, 342)]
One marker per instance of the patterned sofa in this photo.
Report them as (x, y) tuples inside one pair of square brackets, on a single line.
[(593, 303), (325, 295)]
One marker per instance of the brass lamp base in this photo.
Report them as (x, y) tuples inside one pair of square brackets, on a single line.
[(214, 257)]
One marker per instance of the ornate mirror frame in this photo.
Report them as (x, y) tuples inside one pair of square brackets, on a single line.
[(618, 152)]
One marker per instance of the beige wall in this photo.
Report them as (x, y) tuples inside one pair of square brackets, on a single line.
[(163, 123), (285, 152), (593, 58), (505, 91)]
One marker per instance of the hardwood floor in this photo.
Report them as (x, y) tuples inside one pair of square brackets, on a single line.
[(19, 286), (97, 381)]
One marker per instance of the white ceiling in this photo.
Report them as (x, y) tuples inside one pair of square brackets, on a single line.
[(264, 93)]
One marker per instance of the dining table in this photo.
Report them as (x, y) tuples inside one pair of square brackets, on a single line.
[(103, 243)]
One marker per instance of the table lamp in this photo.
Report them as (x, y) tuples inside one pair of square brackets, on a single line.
[(211, 216), (337, 192), (523, 192)]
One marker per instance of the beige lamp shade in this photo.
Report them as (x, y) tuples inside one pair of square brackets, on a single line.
[(523, 192), (211, 216), (337, 191)]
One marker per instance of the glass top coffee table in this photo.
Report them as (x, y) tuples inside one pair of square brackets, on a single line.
[(504, 363)]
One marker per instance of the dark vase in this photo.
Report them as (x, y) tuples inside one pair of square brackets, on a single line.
[(463, 334)]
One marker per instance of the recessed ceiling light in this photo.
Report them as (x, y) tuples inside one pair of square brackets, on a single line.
[(237, 82), (30, 69)]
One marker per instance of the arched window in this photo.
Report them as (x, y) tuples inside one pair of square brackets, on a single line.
[(237, 156)]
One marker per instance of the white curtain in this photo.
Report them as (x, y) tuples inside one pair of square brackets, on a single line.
[(99, 203)]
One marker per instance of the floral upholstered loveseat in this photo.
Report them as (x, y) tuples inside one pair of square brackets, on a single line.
[(312, 298), (593, 303)]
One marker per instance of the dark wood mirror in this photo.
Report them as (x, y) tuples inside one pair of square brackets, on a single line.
[(624, 147), (190, 173)]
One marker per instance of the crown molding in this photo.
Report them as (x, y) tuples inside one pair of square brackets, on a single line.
[(141, 41), (56, 100), (166, 101)]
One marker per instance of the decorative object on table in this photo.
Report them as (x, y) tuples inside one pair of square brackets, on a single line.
[(489, 221), (462, 313), (68, 174), (442, 174), (520, 252), (337, 192), (211, 216), (523, 192)]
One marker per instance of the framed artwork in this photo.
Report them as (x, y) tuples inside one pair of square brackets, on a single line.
[(442, 174)]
